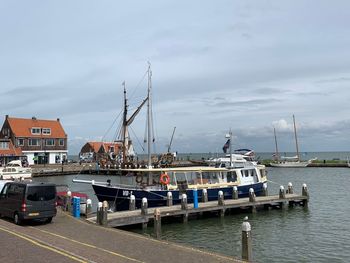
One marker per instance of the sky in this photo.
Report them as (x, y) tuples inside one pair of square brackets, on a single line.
[(242, 65)]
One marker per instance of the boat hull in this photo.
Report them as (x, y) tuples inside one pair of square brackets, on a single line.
[(290, 164), (118, 197)]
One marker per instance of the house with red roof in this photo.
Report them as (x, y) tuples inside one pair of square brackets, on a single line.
[(42, 141), (94, 151), (9, 152)]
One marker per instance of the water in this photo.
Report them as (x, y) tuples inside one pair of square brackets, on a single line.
[(320, 233)]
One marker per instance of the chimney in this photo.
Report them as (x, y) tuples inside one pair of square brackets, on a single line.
[(34, 118), (58, 119), (6, 116)]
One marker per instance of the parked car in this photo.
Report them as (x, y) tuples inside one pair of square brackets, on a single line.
[(28, 200)]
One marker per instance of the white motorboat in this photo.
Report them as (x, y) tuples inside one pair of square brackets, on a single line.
[(15, 170)]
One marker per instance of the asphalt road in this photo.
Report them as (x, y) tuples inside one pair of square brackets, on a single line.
[(67, 239)]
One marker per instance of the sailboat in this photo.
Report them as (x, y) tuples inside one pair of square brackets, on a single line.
[(292, 161), (156, 183)]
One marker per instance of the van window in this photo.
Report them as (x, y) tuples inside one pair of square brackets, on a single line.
[(15, 191), (41, 193)]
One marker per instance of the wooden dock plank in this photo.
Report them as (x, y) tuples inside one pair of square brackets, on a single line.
[(123, 218)]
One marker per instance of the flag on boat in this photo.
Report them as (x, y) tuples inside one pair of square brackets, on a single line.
[(226, 146)]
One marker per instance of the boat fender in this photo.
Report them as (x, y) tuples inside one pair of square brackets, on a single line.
[(164, 179), (139, 178)]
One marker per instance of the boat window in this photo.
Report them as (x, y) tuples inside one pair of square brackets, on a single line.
[(254, 173), (245, 173), (231, 176), (210, 177)]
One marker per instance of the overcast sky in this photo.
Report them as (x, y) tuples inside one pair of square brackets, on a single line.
[(244, 65)]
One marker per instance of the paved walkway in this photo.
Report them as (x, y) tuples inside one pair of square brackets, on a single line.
[(67, 239)]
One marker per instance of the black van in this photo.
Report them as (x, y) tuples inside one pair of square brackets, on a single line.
[(28, 200)]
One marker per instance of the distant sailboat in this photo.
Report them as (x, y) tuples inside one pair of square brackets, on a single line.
[(293, 161)]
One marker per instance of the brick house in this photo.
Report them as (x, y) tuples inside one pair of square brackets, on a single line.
[(42, 141), (9, 152), (94, 151)]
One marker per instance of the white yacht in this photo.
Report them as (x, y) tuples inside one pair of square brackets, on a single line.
[(15, 170)]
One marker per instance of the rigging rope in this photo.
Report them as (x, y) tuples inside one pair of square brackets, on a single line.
[(111, 126)]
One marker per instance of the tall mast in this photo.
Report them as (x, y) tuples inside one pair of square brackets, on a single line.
[(149, 111), (277, 153), (296, 138), (125, 126)]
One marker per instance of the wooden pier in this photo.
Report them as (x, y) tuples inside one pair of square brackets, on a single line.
[(143, 216)]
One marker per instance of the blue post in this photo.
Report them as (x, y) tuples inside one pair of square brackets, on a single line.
[(195, 198), (76, 207)]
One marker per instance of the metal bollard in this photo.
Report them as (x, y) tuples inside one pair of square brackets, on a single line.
[(195, 198), (235, 193), (204, 195), (265, 191), (184, 202), (290, 188), (169, 199), (282, 193), (247, 250), (132, 203)]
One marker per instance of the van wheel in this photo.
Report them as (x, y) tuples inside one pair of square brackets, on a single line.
[(49, 220), (16, 219)]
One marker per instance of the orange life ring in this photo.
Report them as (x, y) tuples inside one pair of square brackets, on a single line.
[(164, 179)]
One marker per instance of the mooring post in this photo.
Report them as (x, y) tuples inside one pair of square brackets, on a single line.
[(282, 195), (290, 188), (99, 213), (169, 199), (104, 213), (235, 192), (305, 192), (252, 198), (132, 203), (282, 192), (247, 250), (204, 195), (265, 191), (221, 202), (157, 223), (184, 206), (90, 166), (195, 198), (144, 207), (88, 208), (69, 202)]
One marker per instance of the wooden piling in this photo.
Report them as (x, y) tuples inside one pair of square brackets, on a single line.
[(305, 192), (247, 251), (204, 195), (221, 202), (252, 198), (69, 202), (157, 223), (235, 193), (265, 191), (290, 188), (132, 203), (88, 208), (184, 206), (169, 199), (99, 213), (104, 218), (282, 195), (144, 208)]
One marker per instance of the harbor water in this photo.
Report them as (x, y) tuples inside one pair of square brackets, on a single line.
[(320, 233)]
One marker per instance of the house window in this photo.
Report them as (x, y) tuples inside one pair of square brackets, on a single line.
[(111, 149), (34, 142), (46, 131), (50, 142), (61, 142), (4, 145), (36, 131), (20, 142)]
